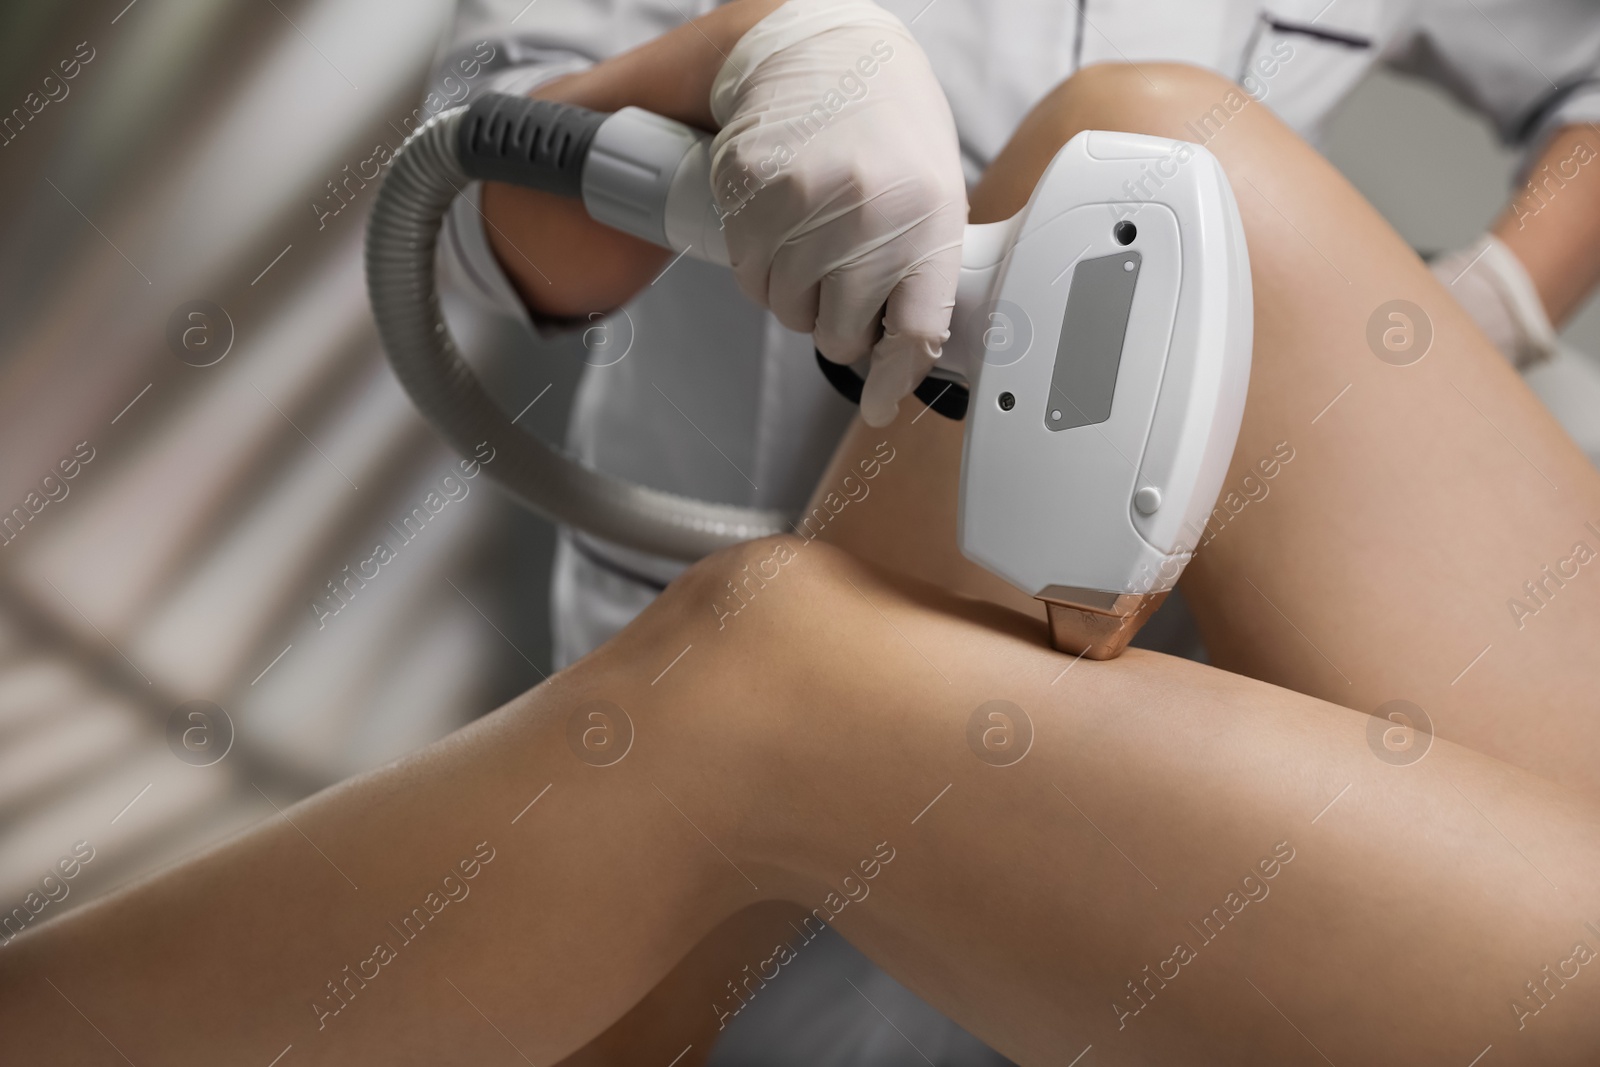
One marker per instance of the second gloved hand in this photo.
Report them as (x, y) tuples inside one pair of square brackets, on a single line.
[(839, 175), (1491, 283)]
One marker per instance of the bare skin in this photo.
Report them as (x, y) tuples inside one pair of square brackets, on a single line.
[(1394, 912), (793, 746)]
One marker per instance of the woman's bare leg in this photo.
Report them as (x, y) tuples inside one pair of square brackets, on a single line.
[(1386, 558), (1285, 890)]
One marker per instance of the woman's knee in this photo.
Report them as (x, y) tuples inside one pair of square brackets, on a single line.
[(1163, 99), (1173, 100), (772, 582)]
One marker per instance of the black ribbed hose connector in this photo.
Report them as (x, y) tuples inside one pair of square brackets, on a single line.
[(540, 144)]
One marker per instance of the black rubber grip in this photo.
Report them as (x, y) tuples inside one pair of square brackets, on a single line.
[(540, 144), (944, 397)]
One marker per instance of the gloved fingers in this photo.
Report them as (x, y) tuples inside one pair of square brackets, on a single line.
[(904, 354), (896, 371), (890, 252), (759, 222), (916, 324), (801, 260), (830, 272), (1475, 292), (850, 311), (792, 303), (1489, 280)]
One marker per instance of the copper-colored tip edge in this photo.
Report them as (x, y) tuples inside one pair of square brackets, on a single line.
[(1095, 624)]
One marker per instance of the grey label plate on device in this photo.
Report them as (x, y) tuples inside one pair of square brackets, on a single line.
[(1092, 332)]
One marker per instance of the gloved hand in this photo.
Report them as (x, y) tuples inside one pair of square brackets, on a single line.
[(839, 176), (1492, 284)]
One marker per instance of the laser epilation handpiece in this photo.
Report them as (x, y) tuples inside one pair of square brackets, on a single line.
[(1099, 350)]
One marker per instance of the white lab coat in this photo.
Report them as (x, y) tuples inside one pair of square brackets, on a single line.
[(716, 400)]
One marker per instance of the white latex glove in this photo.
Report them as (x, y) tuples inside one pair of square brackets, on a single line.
[(1490, 281), (839, 175)]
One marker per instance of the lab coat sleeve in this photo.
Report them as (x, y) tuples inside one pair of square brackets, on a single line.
[(513, 46), (1529, 66)]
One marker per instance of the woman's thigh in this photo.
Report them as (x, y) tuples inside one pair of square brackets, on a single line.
[(1396, 524), (1158, 858)]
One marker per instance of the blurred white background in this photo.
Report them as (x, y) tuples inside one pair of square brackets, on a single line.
[(181, 165)]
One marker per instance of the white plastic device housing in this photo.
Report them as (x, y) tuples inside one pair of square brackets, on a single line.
[(1055, 508), (651, 176)]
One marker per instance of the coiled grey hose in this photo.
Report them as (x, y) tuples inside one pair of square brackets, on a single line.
[(402, 235)]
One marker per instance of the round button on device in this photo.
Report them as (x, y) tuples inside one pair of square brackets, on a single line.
[(1147, 500)]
